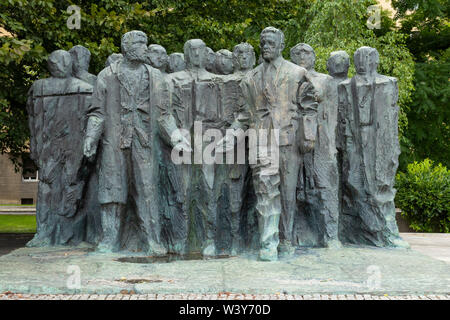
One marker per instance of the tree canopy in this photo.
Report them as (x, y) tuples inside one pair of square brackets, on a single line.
[(426, 23)]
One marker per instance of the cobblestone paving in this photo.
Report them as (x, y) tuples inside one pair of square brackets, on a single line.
[(219, 296)]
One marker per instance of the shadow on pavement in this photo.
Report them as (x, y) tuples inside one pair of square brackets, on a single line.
[(13, 241)]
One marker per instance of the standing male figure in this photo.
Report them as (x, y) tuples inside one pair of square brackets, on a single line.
[(195, 98), (318, 189), (371, 150), (129, 99), (243, 58), (57, 109), (337, 65), (275, 98), (81, 58)]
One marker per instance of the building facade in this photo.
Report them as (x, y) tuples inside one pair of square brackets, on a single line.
[(17, 187)]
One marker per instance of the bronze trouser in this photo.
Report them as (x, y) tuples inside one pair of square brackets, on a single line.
[(110, 216), (289, 168), (268, 207), (237, 190), (143, 189)]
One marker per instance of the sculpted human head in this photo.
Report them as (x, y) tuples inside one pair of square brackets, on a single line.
[(194, 53), (271, 43), (60, 64), (81, 57), (243, 57), (134, 46), (210, 59), (176, 62), (224, 61), (366, 60), (158, 56), (113, 58), (338, 64), (303, 55)]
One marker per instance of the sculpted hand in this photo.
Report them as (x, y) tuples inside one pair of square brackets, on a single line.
[(180, 143), (306, 146), (89, 148)]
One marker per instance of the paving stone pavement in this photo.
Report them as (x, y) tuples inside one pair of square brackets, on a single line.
[(219, 296)]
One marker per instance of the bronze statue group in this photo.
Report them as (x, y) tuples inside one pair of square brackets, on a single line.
[(104, 148)]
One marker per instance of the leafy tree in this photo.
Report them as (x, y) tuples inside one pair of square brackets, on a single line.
[(429, 114), (426, 24)]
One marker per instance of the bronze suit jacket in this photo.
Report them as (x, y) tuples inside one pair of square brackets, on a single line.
[(118, 116), (283, 100)]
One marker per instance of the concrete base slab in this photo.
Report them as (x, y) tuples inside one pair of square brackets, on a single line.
[(436, 245), (350, 270)]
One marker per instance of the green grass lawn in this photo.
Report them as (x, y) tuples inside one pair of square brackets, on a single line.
[(10, 223)]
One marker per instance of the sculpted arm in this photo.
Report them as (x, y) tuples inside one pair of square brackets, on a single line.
[(96, 118), (340, 128), (307, 102), (242, 120), (167, 122), (240, 124), (394, 116), (346, 114), (31, 125)]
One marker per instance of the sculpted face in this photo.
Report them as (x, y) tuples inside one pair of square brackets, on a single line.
[(158, 56), (134, 46), (176, 62), (271, 46), (244, 57), (196, 51), (366, 60), (60, 64), (80, 58), (303, 56), (113, 58), (224, 62), (210, 59), (338, 63)]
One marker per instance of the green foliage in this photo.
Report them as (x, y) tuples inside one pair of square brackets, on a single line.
[(429, 114), (426, 24), (424, 196)]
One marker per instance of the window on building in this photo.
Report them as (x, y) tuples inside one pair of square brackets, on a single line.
[(26, 201), (29, 170)]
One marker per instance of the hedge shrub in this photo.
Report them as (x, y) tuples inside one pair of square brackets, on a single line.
[(423, 195)]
